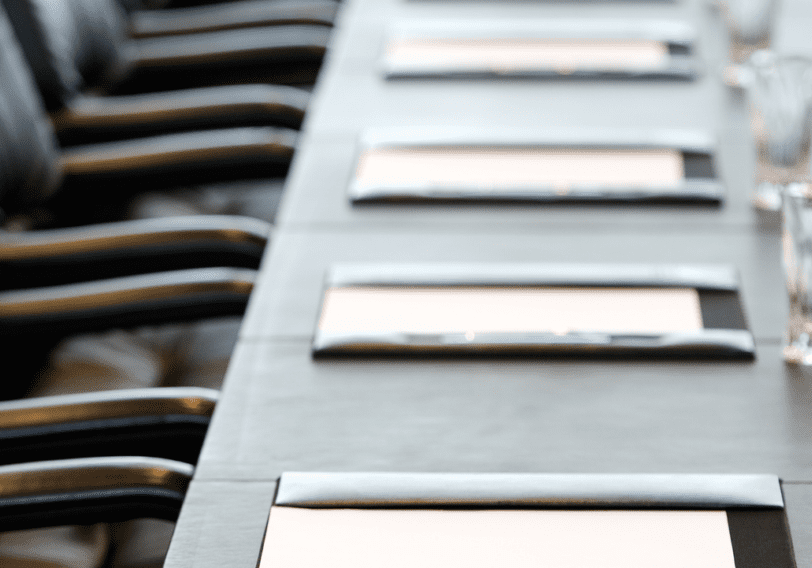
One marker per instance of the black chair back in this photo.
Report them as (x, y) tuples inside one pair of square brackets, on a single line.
[(102, 26), (30, 168), (49, 35), (69, 43)]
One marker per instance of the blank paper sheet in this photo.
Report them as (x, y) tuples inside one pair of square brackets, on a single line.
[(527, 54), (517, 168), (402, 538), (471, 309)]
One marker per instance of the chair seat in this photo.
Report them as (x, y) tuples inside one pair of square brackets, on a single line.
[(253, 198), (104, 361), (57, 547), (194, 354), (142, 543)]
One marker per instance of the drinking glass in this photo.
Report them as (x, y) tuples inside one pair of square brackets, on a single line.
[(779, 94), (749, 25), (797, 260)]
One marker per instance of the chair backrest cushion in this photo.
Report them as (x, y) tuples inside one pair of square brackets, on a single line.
[(29, 155), (48, 33), (102, 26)]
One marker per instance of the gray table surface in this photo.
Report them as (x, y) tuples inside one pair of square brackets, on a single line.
[(223, 523), (281, 410), (284, 411), (287, 298)]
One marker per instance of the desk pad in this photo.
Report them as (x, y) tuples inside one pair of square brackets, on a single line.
[(560, 49), (532, 309), (467, 166), (526, 520)]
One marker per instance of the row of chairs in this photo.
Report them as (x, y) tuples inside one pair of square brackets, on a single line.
[(112, 122)]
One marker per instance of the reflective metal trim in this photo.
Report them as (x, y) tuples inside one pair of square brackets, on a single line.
[(165, 150), (44, 411), (686, 140), (694, 191), (484, 490), (230, 45), (89, 111), (719, 342), (89, 474), (701, 276), (121, 291), (679, 67), (133, 234)]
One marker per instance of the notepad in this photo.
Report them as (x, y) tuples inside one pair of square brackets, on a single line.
[(518, 168), (412, 538), (508, 55), (473, 309)]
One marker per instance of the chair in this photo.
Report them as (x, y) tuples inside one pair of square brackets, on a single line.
[(108, 250), (93, 183), (136, 5), (33, 321), (85, 280), (157, 422), (85, 491), (167, 422), (230, 15), (81, 117), (124, 253), (95, 39), (67, 266), (86, 118)]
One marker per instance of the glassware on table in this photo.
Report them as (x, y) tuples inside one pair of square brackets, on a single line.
[(749, 25), (797, 261), (779, 95)]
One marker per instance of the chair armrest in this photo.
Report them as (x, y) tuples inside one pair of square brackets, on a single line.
[(278, 54), (134, 5), (110, 250), (131, 301), (231, 15), (166, 422), (178, 159), (91, 490), (90, 119)]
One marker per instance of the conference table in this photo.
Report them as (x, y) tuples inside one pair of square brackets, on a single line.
[(283, 410)]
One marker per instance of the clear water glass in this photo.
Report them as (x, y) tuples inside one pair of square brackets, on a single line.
[(797, 261), (779, 95), (749, 25)]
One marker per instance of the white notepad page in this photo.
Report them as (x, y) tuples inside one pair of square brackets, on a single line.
[(437, 310), (399, 538), (520, 54), (521, 167)]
